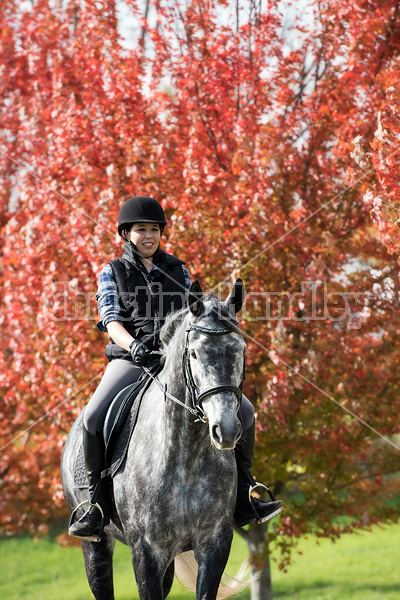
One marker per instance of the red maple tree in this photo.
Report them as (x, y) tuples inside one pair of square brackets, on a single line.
[(248, 131)]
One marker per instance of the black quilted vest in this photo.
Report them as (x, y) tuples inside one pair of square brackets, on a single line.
[(145, 302)]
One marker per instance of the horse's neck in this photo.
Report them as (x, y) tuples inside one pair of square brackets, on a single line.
[(181, 430)]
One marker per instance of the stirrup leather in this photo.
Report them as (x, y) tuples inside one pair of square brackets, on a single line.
[(95, 537)]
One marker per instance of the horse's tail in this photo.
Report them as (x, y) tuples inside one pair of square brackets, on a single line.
[(186, 575)]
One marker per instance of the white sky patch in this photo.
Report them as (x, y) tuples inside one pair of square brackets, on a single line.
[(300, 12), (129, 27)]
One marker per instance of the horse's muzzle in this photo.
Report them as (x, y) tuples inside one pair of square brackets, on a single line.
[(224, 437)]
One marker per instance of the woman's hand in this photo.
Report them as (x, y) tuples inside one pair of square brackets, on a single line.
[(140, 353)]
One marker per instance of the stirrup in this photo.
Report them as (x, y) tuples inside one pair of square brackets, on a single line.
[(259, 519), (94, 537)]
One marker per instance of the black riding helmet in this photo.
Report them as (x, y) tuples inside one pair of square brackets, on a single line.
[(140, 209)]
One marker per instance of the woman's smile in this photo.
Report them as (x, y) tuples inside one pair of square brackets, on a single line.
[(146, 237)]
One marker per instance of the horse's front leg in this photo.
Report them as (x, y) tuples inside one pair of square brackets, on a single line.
[(212, 556), (98, 563), (149, 567), (168, 579)]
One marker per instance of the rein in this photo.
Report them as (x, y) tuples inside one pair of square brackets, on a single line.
[(201, 416), (198, 395)]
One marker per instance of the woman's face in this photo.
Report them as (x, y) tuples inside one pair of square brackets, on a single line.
[(146, 237)]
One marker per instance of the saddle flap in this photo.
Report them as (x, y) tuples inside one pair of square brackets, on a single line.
[(121, 408), (118, 412)]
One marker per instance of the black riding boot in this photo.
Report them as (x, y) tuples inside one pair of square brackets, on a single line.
[(88, 526), (248, 510)]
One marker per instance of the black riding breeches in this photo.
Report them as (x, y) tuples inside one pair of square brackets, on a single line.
[(246, 413), (118, 374)]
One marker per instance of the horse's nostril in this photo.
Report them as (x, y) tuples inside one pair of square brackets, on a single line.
[(224, 438), (216, 432)]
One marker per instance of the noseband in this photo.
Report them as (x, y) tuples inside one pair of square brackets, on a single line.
[(198, 395)]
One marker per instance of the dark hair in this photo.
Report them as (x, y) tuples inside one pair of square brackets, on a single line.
[(128, 226)]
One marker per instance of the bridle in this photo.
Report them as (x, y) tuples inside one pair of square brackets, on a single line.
[(198, 395)]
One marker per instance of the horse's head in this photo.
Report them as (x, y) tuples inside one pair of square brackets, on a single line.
[(214, 361)]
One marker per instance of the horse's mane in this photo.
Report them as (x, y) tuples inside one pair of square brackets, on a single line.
[(171, 324), (215, 309)]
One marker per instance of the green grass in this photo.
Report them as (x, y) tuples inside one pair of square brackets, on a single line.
[(362, 566), (357, 567)]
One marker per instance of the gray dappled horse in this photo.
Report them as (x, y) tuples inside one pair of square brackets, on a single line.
[(177, 488)]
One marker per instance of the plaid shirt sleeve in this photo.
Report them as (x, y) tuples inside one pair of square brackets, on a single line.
[(107, 298)]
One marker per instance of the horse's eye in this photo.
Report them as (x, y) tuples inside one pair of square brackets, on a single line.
[(193, 354)]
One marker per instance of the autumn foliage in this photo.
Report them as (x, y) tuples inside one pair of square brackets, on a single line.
[(271, 141)]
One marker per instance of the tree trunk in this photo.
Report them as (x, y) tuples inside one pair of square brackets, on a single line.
[(258, 541)]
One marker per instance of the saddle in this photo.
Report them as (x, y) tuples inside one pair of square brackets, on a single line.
[(118, 427), (117, 414)]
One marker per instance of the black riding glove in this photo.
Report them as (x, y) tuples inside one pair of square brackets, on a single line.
[(140, 353)]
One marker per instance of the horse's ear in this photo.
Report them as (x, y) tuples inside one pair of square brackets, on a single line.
[(236, 298), (195, 302)]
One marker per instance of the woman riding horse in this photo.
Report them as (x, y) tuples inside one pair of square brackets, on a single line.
[(135, 294)]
